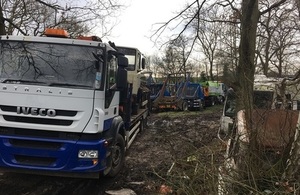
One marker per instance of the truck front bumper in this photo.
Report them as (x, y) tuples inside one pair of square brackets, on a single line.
[(51, 156)]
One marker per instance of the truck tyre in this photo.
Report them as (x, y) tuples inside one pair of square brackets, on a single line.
[(221, 99), (185, 106), (203, 105), (117, 156), (143, 124), (212, 99)]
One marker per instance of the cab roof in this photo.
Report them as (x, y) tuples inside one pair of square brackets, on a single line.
[(55, 40)]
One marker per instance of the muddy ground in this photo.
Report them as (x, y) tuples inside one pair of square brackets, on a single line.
[(177, 150)]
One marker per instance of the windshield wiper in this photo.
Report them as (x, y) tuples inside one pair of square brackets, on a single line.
[(68, 85), (21, 81)]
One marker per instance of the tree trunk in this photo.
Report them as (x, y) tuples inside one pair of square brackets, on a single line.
[(2, 26), (245, 72), (211, 70), (246, 67), (291, 173)]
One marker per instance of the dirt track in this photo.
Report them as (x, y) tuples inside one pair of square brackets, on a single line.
[(168, 138)]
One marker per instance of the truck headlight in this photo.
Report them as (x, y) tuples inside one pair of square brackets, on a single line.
[(88, 154)]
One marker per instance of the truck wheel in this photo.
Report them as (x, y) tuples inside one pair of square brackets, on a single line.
[(221, 99), (117, 156), (143, 124), (212, 101), (203, 105), (185, 106)]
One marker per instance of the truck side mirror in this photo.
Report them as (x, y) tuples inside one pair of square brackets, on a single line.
[(143, 63), (122, 61), (121, 77)]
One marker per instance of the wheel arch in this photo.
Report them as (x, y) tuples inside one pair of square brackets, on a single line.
[(116, 127)]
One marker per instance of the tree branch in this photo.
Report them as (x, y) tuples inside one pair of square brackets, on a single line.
[(277, 4), (17, 27)]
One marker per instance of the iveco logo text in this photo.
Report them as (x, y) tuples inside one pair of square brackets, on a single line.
[(36, 111)]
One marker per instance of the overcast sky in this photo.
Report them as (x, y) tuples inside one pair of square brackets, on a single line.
[(136, 22)]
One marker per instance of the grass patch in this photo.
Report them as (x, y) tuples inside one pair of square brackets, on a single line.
[(195, 174), (208, 110)]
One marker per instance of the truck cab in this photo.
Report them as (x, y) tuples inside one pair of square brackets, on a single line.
[(136, 65), (214, 92), (63, 106)]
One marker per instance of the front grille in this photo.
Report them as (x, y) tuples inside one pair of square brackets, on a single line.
[(42, 121), (35, 144), (11, 131), (34, 160), (58, 112)]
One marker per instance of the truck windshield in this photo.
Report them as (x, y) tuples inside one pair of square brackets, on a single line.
[(48, 64), (130, 54)]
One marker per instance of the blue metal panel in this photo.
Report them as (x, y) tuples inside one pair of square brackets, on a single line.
[(107, 124), (63, 157)]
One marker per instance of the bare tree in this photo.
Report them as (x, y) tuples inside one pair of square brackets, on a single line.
[(176, 57), (172, 61), (209, 34), (156, 65), (181, 46), (33, 16), (228, 51), (265, 34), (277, 39), (284, 40)]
